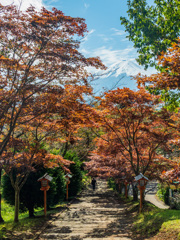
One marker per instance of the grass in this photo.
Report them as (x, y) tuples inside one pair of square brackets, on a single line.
[(25, 225), (153, 222), (164, 223)]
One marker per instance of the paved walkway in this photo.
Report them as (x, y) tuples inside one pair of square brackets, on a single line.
[(97, 215), (150, 196)]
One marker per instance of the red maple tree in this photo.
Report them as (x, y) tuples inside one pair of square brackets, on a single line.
[(168, 79), (38, 54), (135, 130)]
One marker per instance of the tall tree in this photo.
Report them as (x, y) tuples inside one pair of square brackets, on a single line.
[(64, 110), (134, 130), (37, 49), (152, 28), (24, 157)]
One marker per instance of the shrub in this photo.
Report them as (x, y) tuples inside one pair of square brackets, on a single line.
[(31, 196), (163, 193), (76, 171)]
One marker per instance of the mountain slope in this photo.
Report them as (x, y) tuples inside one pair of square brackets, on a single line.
[(119, 75)]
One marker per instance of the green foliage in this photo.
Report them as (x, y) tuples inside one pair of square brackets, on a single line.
[(55, 151), (85, 179), (111, 183), (7, 211), (9, 229), (57, 189), (76, 171), (31, 196), (152, 29), (154, 220), (163, 193), (171, 99)]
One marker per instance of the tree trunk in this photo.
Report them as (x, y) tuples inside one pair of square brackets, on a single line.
[(143, 196), (117, 187), (1, 219), (16, 211), (65, 149), (135, 193), (120, 188)]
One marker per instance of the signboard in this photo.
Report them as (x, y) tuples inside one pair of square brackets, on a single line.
[(44, 183)]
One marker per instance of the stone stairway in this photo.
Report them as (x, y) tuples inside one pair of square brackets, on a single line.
[(95, 215)]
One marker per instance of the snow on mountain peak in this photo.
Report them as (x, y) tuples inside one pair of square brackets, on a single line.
[(118, 74), (130, 68)]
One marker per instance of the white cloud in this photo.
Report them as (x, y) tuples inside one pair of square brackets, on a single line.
[(86, 38), (86, 5), (109, 56), (124, 40), (118, 32), (105, 38), (84, 51), (24, 3)]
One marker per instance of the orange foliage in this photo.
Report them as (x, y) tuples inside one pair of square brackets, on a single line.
[(134, 129), (38, 59), (170, 77)]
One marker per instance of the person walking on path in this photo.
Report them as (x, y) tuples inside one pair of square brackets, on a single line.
[(93, 182)]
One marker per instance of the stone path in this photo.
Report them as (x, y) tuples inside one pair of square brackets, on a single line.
[(97, 215)]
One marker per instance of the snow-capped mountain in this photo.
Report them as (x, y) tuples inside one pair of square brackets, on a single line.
[(119, 75)]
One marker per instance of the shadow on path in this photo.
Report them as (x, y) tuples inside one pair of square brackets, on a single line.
[(94, 215)]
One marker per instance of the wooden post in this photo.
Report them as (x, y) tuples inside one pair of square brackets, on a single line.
[(45, 187), (45, 203), (141, 200), (67, 177), (142, 180), (67, 191), (141, 189)]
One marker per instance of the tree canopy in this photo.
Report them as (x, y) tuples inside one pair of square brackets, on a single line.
[(166, 82), (37, 49), (134, 129), (42, 80), (153, 28)]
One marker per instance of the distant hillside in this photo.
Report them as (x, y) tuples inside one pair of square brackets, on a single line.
[(118, 75)]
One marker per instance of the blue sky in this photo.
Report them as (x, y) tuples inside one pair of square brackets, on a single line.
[(106, 37)]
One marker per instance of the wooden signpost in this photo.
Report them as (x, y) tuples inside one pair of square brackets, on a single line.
[(67, 177), (142, 181), (45, 187)]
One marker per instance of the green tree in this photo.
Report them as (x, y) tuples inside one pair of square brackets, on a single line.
[(31, 196), (152, 29), (76, 171)]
